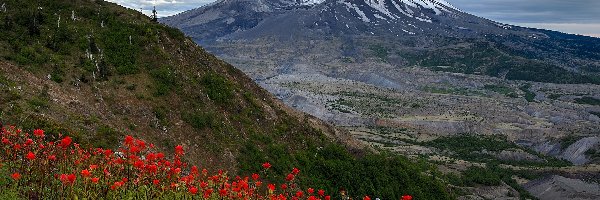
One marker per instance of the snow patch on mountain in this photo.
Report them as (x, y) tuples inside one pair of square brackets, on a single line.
[(362, 15), (311, 2)]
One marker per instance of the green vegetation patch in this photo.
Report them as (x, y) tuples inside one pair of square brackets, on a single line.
[(588, 100), (218, 88), (501, 89), (331, 167), (529, 95), (379, 51), (470, 147), (453, 91), (165, 80)]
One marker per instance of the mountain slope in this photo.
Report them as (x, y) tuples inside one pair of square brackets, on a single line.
[(96, 71), (420, 77), (402, 24)]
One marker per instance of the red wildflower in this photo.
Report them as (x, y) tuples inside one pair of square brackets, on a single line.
[(290, 177), (85, 173), (152, 168), (95, 180), (116, 185), (177, 170), (271, 187), (128, 140), (139, 164), (30, 156), (179, 150), (52, 157), (321, 192), (16, 176), (65, 142), (150, 156), (310, 190), (295, 171), (367, 198), (299, 194), (207, 193), (223, 192), (284, 186), (193, 190), (71, 178), (93, 167), (406, 197), (203, 184), (38, 132), (312, 198), (194, 170), (266, 165), (255, 176), (141, 144), (327, 197), (68, 178)]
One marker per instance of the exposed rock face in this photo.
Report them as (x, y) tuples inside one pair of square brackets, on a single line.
[(559, 188), (576, 152), (518, 155)]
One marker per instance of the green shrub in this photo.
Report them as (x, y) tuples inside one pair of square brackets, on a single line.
[(165, 80), (105, 137), (200, 120), (482, 176), (218, 88)]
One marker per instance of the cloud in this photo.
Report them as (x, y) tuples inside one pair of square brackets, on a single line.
[(580, 29), (163, 7), (575, 16), (533, 11)]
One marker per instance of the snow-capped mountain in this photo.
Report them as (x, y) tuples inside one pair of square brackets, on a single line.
[(428, 24)]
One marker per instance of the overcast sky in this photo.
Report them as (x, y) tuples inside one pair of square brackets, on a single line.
[(572, 16)]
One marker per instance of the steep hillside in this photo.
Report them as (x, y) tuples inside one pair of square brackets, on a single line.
[(97, 71)]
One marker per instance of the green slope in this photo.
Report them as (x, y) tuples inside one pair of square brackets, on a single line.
[(96, 71)]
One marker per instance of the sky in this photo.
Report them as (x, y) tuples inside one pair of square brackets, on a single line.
[(572, 16)]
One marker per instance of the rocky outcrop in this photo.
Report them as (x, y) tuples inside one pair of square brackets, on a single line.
[(558, 188), (575, 153)]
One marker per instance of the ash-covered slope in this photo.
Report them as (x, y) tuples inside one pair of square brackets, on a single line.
[(432, 25)]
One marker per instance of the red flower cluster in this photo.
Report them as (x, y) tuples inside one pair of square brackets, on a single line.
[(64, 168)]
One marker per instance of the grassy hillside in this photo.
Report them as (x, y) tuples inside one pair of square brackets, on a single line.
[(96, 71)]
